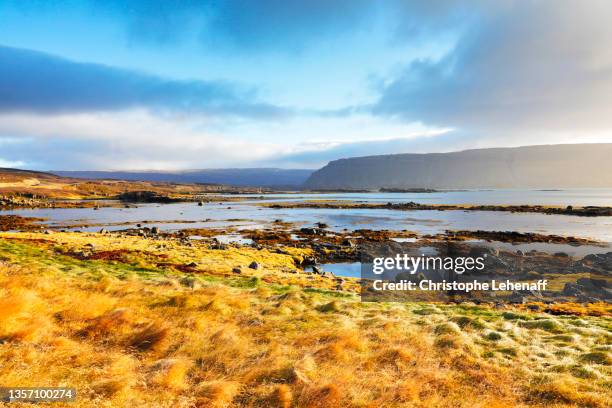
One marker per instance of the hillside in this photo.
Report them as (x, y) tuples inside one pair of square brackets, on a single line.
[(258, 177), (548, 166), (34, 184)]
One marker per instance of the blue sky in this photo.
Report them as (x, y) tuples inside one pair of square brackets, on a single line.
[(95, 84)]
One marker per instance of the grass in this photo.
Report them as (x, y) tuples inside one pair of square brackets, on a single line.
[(127, 332)]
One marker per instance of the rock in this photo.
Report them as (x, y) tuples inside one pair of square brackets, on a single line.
[(200, 204), (322, 225), (517, 297), (103, 231), (237, 270), (309, 260), (601, 262), (481, 251), (562, 254), (155, 230), (254, 265), (349, 243), (192, 265), (145, 197), (317, 269), (572, 289), (308, 231), (587, 299)]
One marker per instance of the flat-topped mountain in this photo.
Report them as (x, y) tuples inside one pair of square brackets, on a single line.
[(546, 166)]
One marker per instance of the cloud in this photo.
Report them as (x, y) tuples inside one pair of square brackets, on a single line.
[(519, 66), (37, 82), (501, 73), (139, 139), (133, 139), (10, 164), (263, 25)]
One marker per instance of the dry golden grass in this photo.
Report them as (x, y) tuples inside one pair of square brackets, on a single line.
[(140, 340)]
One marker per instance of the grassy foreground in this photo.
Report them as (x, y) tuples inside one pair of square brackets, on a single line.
[(128, 325)]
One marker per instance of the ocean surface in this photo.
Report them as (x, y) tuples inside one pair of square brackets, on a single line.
[(575, 197), (248, 214)]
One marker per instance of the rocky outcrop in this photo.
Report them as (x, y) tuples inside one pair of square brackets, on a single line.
[(145, 197)]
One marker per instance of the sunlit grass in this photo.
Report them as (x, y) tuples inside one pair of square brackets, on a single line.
[(135, 334)]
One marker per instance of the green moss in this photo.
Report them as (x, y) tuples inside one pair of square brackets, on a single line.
[(493, 336), (584, 372), (596, 357), (508, 351), (426, 311), (548, 325), (331, 293), (562, 338), (466, 322), (512, 316)]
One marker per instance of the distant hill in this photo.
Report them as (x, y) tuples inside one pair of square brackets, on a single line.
[(547, 166), (13, 175), (28, 184), (257, 177)]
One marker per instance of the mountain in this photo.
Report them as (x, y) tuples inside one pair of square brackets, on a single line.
[(258, 177), (547, 166)]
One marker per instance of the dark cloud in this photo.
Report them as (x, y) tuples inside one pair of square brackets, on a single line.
[(37, 82), (524, 65)]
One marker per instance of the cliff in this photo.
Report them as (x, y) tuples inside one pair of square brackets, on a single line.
[(547, 166)]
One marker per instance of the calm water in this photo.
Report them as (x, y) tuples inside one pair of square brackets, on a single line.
[(249, 215), (575, 197)]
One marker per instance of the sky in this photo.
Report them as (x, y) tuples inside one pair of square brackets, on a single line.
[(191, 84)]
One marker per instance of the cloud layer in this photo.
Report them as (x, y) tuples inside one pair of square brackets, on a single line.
[(470, 74), (38, 82), (527, 66)]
